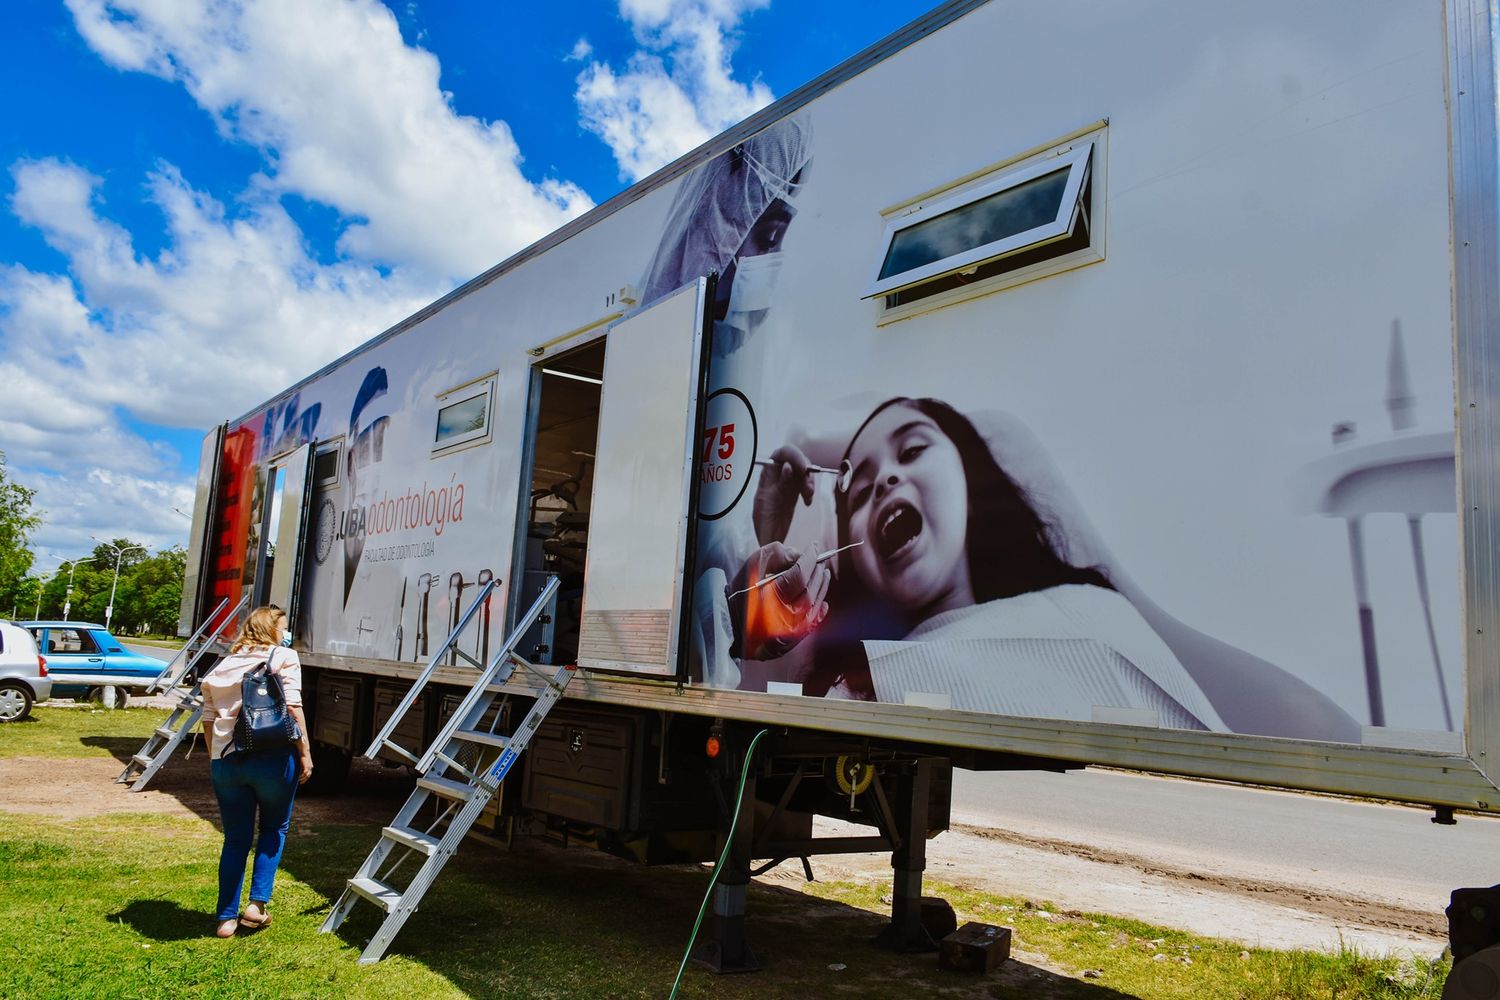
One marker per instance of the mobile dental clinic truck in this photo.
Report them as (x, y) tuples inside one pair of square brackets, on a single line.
[(1048, 384)]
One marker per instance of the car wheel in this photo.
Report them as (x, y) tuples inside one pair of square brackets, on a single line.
[(15, 701), (96, 695)]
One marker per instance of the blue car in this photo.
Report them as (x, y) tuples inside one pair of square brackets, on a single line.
[(82, 658)]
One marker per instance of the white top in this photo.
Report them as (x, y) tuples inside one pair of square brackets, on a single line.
[(1066, 652), (221, 690)]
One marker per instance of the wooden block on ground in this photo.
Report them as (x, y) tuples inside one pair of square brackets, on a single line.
[(975, 947)]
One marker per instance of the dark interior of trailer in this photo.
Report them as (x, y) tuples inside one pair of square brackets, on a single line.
[(556, 530)]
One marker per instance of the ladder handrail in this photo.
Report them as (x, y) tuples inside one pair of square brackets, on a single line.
[(384, 735), (523, 624), (187, 647)]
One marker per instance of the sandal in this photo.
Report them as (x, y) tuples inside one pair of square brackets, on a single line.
[(253, 923)]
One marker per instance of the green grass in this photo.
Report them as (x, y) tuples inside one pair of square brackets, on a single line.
[(1124, 954), (120, 906), (77, 731)]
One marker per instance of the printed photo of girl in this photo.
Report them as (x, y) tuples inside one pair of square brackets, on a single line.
[(954, 587)]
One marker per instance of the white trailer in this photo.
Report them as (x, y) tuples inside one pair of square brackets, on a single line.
[(1099, 383)]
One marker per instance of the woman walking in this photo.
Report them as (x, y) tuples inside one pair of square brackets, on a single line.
[(263, 781)]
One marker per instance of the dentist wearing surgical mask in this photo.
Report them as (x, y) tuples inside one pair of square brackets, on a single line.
[(751, 281), (369, 419)]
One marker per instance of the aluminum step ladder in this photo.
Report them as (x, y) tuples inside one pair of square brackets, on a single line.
[(179, 725), (457, 773)]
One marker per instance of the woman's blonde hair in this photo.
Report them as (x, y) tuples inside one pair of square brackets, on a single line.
[(260, 629)]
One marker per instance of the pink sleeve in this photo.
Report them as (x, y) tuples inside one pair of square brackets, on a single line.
[(289, 669)]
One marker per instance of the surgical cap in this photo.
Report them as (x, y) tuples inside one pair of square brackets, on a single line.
[(719, 203)]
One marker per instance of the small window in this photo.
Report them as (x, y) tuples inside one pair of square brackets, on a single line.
[(326, 464), (463, 415), (71, 640), (1012, 221)]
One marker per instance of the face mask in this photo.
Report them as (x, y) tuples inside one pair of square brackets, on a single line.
[(754, 282), (286, 637)]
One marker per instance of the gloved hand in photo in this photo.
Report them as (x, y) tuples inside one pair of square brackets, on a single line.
[(786, 477), (772, 615)]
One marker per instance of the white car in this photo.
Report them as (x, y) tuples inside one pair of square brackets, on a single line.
[(23, 673)]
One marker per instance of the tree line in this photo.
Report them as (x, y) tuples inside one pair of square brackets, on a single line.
[(148, 595)]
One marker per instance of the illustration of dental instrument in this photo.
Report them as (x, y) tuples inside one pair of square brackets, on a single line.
[(424, 584), (824, 557), (400, 618), (842, 474), (483, 645), (455, 594)]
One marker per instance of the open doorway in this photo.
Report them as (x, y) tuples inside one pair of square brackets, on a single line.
[(555, 523)]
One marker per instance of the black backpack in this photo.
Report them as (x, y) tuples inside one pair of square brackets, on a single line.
[(265, 722)]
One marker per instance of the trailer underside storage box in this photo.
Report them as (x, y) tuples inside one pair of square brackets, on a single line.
[(411, 730), (337, 709)]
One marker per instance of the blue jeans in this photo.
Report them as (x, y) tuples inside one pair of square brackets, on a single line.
[(244, 783)]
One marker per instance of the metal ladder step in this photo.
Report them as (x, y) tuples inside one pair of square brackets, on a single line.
[(481, 737), (376, 892), (424, 843), (448, 789), (160, 745)]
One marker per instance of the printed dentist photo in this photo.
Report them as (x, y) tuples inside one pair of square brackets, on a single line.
[(951, 586)]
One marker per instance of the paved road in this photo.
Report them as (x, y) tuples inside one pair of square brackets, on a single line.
[(1358, 849), (160, 652)]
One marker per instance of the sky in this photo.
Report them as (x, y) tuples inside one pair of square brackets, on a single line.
[(201, 202)]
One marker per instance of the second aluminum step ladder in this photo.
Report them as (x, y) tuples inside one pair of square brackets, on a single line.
[(455, 774), (179, 725)]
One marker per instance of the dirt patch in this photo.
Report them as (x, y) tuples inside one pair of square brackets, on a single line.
[(77, 788)]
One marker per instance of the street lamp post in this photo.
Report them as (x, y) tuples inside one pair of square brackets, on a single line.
[(72, 565), (109, 609)]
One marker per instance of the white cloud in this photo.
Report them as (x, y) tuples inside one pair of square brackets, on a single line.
[(348, 116), (233, 309), (110, 504), (237, 305), (676, 93)]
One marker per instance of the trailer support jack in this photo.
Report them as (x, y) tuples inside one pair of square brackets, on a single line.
[(727, 949), (908, 932)]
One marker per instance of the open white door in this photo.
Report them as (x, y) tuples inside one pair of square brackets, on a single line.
[(633, 597), (199, 568), (287, 528)]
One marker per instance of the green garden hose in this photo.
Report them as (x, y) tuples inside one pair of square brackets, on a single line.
[(718, 865)]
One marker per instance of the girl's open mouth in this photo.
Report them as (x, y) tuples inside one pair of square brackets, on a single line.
[(897, 529)]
